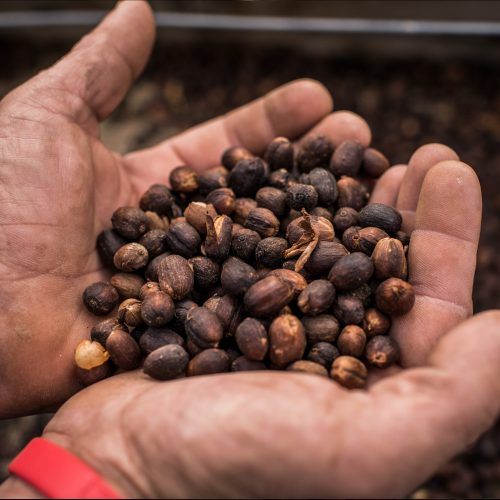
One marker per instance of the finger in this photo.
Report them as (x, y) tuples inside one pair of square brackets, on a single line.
[(92, 79), (387, 187), (442, 258), (435, 412), (289, 110), (420, 163), (340, 126)]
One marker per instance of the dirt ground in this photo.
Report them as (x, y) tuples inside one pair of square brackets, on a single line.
[(406, 102)]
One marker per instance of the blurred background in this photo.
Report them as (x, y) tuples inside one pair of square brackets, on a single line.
[(417, 71)]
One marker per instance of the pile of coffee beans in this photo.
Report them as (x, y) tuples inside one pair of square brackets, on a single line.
[(258, 263)]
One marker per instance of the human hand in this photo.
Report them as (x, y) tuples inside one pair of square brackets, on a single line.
[(280, 421), (271, 434), (60, 185)]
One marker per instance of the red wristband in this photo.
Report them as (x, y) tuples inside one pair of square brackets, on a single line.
[(56, 473)]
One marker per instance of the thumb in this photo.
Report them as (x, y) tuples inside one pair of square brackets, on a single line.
[(435, 412), (90, 81)]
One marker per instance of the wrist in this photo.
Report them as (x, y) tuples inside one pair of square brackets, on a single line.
[(14, 487), (104, 464), (50, 468)]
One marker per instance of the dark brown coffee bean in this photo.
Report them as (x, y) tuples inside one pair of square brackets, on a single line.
[(127, 285), (294, 279), (183, 239), (237, 276), (157, 198), (228, 309), (344, 218), (208, 362), (280, 179), (350, 238), (175, 276), (325, 185), (242, 207), (382, 216), (348, 309), (166, 363), (287, 340), (223, 200), (273, 199), (129, 312), (323, 353), (394, 297), (382, 351), (203, 327), (206, 272), (363, 293), (269, 251), (403, 238), (299, 196), (219, 235), (156, 221), (347, 158), (131, 257), (100, 298), (352, 194), (151, 272), (100, 331), (244, 243), (352, 341), (322, 212), (263, 221), (183, 179), (321, 328), (324, 256), (155, 242), (154, 338), (268, 296), (316, 298), (196, 214), (349, 372), (251, 337), (374, 163), (315, 152), (108, 243), (368, 237), (389, 259), (246, 177), (157, 309), (351, 271), (280, 154), (213, 178), (233, 155), (181, 309), (375, 323), (129, 222), (123, 350)]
